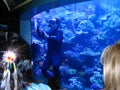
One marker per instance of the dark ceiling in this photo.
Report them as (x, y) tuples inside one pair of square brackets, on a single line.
[(3, 8), (5, 12), (25, 9), (8, 18)]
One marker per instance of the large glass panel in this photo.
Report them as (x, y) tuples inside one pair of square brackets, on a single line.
[(88, 27)]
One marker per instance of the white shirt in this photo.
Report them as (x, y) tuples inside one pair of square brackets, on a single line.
[(39, 86)]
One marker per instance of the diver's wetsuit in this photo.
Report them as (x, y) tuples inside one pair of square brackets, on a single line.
[(54, 53)]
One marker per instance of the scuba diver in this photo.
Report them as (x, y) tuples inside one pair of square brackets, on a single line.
[(54, 39)]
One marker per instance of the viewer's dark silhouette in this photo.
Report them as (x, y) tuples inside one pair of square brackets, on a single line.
[(16, 72)]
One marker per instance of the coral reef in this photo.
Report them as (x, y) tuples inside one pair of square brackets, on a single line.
[(88, 28)]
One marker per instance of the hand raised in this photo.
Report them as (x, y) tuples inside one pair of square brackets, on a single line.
[(46, 35)]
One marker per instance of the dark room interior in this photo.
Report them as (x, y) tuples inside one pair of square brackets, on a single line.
[(85, 28)]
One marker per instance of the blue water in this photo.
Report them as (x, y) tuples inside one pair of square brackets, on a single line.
[(88, 28)]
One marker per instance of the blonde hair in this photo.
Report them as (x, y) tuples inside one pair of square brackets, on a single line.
[(111, 67)]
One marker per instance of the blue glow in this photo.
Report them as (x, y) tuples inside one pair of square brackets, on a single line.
[(88, 28)]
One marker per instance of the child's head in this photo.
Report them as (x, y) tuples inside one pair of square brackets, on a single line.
[(111, 66)]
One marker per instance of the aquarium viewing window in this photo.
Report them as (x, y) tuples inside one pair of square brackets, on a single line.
[(88, 28)]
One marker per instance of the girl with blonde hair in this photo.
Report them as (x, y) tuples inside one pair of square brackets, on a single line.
[(110, 59)]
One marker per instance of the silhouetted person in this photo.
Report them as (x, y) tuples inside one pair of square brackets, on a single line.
[(15, 65), (54, 83)]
